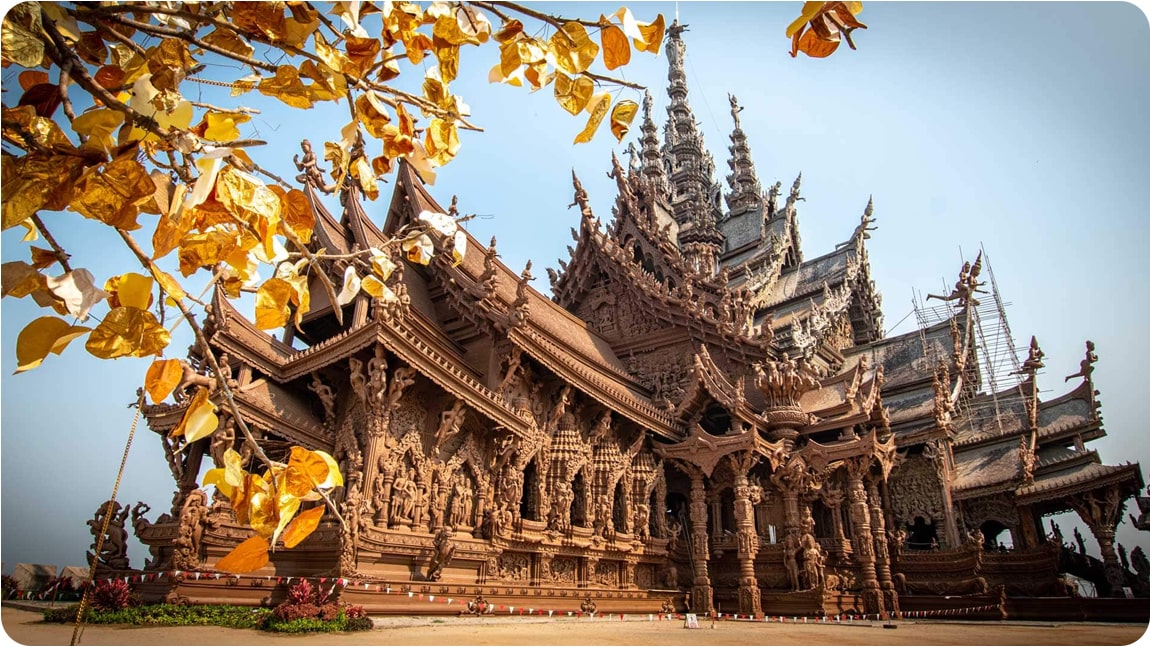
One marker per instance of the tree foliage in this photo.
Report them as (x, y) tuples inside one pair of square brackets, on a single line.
[(104, 126)]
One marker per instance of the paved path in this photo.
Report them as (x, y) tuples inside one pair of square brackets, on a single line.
[(25, 627)]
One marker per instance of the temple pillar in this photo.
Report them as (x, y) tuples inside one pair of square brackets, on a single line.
[(1028, 528), (383, 508), (701, 594), (750, 602), (1101, 511), (857, 469), (882, 556)]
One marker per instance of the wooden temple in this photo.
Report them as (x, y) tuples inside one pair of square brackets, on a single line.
[(699, 417)]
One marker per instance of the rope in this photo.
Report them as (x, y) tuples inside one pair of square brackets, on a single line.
[(78, 630), (222, 84)]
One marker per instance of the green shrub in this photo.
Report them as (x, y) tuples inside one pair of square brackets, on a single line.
[(62, 614), (303, 625), (220, 616)]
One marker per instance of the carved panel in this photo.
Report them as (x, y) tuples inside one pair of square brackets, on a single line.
[(998, 508), (607, 573), (633, 319), (915, 491), (563, 570), (645, 576), (665, 373), (515, 567), (409, 415)]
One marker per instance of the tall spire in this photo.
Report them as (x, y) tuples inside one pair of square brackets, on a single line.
[(692, 169), (654, 170), (746, 193)]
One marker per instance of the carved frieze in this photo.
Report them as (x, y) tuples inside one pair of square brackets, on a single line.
[(916, 491)]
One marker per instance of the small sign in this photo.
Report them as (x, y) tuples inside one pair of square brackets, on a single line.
[(692, 621), (1128, 592)]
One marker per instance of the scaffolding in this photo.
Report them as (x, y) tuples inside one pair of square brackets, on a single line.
[(992, 349)]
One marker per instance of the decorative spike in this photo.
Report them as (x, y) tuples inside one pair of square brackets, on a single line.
[(683, 144), (746, 192)]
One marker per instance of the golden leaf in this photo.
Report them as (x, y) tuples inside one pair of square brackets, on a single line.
[(573, 49), (303, 525), (260, 18), (329, 84), (419, 249), (331, 56), (652, 36), (32, 234), (809, 11), (199, 419), (42, 258), (598, 108), (459, 248), (252, 554), (415, 47), (168, 109), (286, 507), (109, 77), (573, 95), (35, 182), (508, 31), (447, 30), (19, 35), (448, 57), (397, 138), (114, 194), (221, 126), (811, 44), (361, 53), (205, 249), (230, 477), (162, 378), (128, 332), (372, 113), (44, 131), (381, 264), (295, 212), (230, 41), (303, 21), (131, 289), (365, 176), (21, 279), (250, 200), (42, 336), (509, 61), (100, 127), (622, 116), (166, 237), (168, 62), (616, 49), (377, 289), (167, 283), (334, 478), (305, 471), (286, 86), (300, 296), (272, 304), (441, 141)]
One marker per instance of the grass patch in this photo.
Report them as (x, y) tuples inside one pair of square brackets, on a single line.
[(217, 615)]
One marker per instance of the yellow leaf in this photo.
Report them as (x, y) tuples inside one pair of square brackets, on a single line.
[(286, 86), (441, 141), (162, 377), (249, 556), (809, 10), (331, 56), (205, 249), (373, 286), (419, 249), (221, 126), (622, 116), (508, 31), (131, 289), (230, 41), (295, 212), (77, 290), (305, 470), (199, 419), (167, 283), (250, 200), (573, 95), (32, 234), (448, 57), (652, 36), (598, 108), (303, 525), (573, 49), (114, 194), (42, 336), (287, 506), (361, 53), (616, 49), (100, 127), (128, 332), (272, 304), (43, 258), (19, 35), (372, 113), (334, 478), (381, 264), (215, 476), (37, 181), (172, 115), (21, 279)]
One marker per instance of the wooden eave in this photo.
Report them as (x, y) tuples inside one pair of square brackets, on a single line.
[(704, 450), (1058, 489), (261, 414)]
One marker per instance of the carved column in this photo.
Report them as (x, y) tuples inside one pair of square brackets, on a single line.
[(750, 601), (882, 557), (833, 497), (629, 565), (591, 566), (383, 510), (1028, 527), (857, 469), (701, 591), (1101, 511), (378, 421)]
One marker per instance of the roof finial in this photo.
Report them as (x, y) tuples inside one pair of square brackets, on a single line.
[(735, 109)]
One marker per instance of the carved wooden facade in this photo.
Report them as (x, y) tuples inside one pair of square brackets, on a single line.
[(697, 412)]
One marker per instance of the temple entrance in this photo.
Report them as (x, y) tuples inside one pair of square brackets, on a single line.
[(921, 535), (579, 501), (991, 530), (529, 504), (619, 508)]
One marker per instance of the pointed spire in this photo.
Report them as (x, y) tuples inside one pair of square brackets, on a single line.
[(746, 192), (692, 169), (654, 171)]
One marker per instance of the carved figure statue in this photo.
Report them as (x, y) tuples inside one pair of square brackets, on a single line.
[(450, 421), (813, 561), (311, 172), (671, 578), (1078, 539), (1056, 532), (326, 397), (673, 531), (462, 500), (193, 517), (1033, 360), (403, 493), (603, 521), (190, 379), (1086, 366), (559, 517), (1140, 563), (402, 378), (643, 521), (223, 439), (443, 551), (791, 547), (588, 605), (114, 549), (1122, 557)]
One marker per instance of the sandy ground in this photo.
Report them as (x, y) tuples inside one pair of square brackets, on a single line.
[(25, 627)]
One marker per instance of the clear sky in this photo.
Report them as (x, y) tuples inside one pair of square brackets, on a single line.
[(1018, 126)]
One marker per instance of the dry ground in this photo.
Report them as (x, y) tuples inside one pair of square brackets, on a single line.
[(24, 627)]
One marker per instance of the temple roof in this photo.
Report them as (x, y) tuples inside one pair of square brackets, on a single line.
[(1080, 477), (986, 465)]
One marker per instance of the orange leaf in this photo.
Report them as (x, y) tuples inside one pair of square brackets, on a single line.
[(815, 47), (616, 49), (303, 525), (163, 376), (245, 558), (29, 78)]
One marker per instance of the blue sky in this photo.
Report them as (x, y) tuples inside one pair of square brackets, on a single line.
[(1018, 126)]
